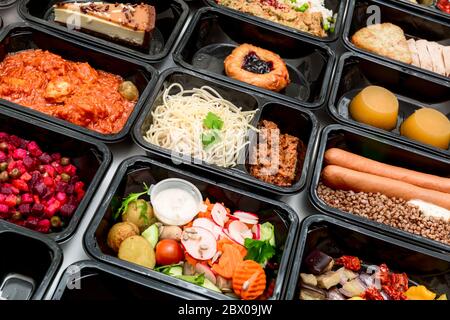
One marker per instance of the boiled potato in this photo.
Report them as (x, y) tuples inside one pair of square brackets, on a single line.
[(119, 232), (137, 250), (139, 212), (129, 91)]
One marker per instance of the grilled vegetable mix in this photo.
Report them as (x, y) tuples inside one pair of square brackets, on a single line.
[(225, 252), (345, 279)]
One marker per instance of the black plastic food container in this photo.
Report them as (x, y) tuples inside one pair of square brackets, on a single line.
[(413, 24), (18, 37), (130, 177), (338, 6), (91, 280), (355, 71), (339, 237), (213, 34), (170, 17), (28, 254), (91, 157), (295, 121), (428, 7), (383, 149)]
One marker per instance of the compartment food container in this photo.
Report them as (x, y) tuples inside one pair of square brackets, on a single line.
[(429, 7), (130, 177), (17, 37), (29, 255), (337, 6), (300, 123), (8, 12), (337, 237), (383, 149), (91, 280), (170, 17), (213, 34), (91, 158), (415, 25), (355, 71)]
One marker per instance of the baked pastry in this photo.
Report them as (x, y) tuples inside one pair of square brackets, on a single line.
[(258, 67), (385, 39), (128, 23)]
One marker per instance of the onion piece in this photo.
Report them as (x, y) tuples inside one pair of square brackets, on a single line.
[(385, 295), (367, 280), (334, 294)]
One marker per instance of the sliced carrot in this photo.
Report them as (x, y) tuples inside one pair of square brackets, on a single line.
[(231, 257), (249, 280), (221, 242), (189, 259)]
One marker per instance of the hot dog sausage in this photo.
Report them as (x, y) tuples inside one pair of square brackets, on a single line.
[(342, 158), (346, 179)]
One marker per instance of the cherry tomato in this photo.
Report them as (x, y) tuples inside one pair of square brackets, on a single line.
[(168, 251)]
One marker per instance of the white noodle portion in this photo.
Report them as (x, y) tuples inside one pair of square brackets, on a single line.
[(178, 125)]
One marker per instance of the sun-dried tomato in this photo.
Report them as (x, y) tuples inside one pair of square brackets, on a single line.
[(372, 293), (349, 262), (398, 281), (394, 294), (383, 274)]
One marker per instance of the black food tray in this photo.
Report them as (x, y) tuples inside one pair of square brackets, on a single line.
[(130, 177)]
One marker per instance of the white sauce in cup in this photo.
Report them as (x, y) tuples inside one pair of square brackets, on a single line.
[(175, 201)]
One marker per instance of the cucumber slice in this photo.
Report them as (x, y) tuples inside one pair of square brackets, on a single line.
[(175, 271), (151, 234), (209, 285)]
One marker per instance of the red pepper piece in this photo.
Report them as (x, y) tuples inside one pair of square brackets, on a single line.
[(349, 262), (444, 5), (372, 293), (394, 294)]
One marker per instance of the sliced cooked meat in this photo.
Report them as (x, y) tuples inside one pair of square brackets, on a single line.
[(435, 51), (446, 58), (424, 55), (414, 53)]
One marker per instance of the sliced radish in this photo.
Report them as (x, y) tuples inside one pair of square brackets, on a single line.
[(246, 217), (201, 268), (199, 242), (209, 225), (256, 231), (219, 214), (226, 235), (239, 231)]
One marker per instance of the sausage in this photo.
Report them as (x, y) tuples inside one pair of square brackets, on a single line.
[(337, 177), (353, 161)]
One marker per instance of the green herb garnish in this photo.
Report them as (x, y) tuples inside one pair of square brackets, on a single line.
[(209, 137), (259, 251), (303, 8), (130, 198), (213, 121), (198, 280)]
